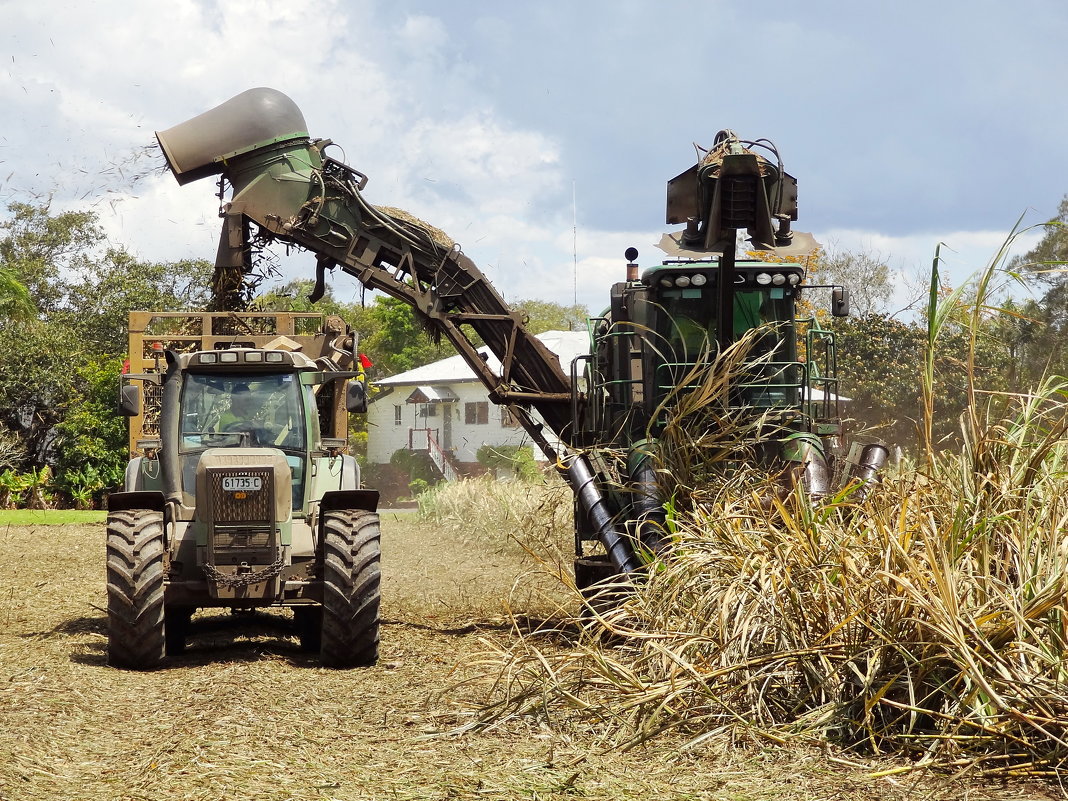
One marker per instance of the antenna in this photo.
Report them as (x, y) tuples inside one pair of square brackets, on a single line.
[(574, 243)]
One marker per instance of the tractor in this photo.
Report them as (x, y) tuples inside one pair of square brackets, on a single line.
[(240, 494)]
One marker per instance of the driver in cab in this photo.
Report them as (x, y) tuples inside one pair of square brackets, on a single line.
[(242, 415)]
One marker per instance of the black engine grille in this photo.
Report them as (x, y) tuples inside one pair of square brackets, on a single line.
[(250, 508), (242, 521)]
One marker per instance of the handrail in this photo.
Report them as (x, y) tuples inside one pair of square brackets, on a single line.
[(437, 454)]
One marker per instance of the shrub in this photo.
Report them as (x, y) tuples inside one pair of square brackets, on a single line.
[(417, 464), (519, 459)]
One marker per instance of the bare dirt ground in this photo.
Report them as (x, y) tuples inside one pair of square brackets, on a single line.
[(244, 714)]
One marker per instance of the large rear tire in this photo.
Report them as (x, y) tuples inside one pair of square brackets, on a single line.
[(135, 575), (351, 588)]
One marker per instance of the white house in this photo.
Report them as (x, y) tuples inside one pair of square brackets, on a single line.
[(444, 408)]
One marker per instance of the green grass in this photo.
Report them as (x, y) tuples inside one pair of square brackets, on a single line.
[(49, 517)]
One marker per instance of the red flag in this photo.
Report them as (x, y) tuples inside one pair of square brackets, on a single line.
[(365, 362)]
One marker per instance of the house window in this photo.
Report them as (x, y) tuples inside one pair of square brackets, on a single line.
[(476, 413), (397, 412)]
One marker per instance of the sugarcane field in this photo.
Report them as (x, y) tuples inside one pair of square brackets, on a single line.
[(245, 713)]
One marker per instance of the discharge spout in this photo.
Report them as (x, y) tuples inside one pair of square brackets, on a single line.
[(254, 119)]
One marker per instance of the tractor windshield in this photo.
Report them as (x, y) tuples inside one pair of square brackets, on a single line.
[(231, 411)]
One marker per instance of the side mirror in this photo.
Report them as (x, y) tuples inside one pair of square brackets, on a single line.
[(356, 397), (130, 400), (840, 302)]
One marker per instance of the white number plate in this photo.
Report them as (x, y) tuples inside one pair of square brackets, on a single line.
[(242, 483)]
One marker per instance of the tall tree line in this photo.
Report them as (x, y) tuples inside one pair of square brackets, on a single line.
[(65, 293), (1020, 341)]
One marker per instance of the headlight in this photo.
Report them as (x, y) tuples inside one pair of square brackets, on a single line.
[(699, 280), (666, 282), (228, 356), (794, 279), (778, 279), (682, 280), (763, 279), (209, 358)]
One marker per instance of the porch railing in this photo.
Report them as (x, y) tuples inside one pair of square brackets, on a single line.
[(425, 439)]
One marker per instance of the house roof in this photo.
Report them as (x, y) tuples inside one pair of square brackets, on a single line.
[(429, 394), (454, 370)]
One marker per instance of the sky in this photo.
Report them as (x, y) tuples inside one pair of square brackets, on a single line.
[(541, 135)]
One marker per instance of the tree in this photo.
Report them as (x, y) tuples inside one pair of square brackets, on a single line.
[(866, 276), (16, 303), (99, 299), (1039, 328), (40, 248), (543, 315), (37, 367), (1049, 258), (59, 366), (879, 365), (878, 368), (90, 447), (397, 341)]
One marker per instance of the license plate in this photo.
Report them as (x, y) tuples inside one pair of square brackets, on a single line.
[(242, 483)]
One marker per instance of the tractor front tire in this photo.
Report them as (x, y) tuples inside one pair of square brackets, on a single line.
[(351, 588), (135, 575)]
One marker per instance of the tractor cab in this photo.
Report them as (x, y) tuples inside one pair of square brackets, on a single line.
[(221, 408)]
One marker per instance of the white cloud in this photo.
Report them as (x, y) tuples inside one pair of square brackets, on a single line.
[(962, 253), (164, 222), (463, 117)]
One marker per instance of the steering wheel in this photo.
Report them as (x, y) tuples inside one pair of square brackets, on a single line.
[(256, 436)]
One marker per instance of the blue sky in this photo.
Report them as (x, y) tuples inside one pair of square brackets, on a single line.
[(906, 124)]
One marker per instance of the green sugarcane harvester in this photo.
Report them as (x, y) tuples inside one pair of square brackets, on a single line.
[(285, 188)]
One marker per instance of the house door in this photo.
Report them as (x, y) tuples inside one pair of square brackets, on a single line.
[(446, 425)]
